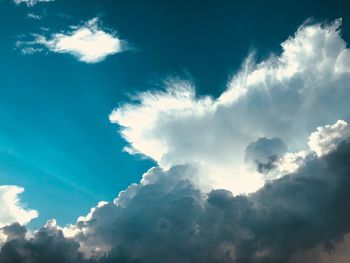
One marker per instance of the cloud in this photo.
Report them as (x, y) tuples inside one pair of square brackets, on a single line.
[(326, 138), (89, 43), (167, 218), (263, 153), (339, 252), (287, 114), (286, 96), (11, 210), (33, 16), (47, 245), (169, 212), (31, 2)]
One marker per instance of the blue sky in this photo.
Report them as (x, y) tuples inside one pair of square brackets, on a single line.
[(174, 131), (56, 139)]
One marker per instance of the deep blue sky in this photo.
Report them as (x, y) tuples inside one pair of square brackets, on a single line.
[(55, 137)]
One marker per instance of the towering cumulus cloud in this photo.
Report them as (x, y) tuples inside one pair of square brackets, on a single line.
[(283, 97), (260, 174)]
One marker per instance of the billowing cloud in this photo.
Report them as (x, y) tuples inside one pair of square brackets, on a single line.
[(286, 96), (287, 114), (167, 218), (31, 2), (326, 138), (263, 154), (47, 245), (11, 209), (89, 43), (169, 211)]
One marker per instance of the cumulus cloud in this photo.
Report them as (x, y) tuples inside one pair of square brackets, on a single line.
[(188, 208), (289, 215), (264, 153), (89, 43), (47, 245), (286, 96), (31, 2), (289, 163), (167, 218), (326, 138), (11, 209)]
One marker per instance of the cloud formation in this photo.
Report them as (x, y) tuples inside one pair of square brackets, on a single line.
[(31, 2), (47, 245), (167, 218), (263, 153), (286, 96), (287, 115), (326, 138), (89, 43), (11, 209), (170, 212)]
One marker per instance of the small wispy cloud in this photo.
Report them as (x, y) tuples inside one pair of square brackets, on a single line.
[(89, 43), (31, 2), (33, 16)]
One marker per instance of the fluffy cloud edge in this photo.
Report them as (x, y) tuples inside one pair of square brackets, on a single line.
[(187, 224), (283, 96), (12, 210), (89, 43), (325, 139)]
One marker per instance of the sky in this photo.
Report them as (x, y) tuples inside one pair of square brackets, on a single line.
[(129, 125)]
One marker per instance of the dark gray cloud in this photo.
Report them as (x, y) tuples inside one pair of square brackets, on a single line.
[(264, 152), (167, 219), (14, 231), (47, 245)]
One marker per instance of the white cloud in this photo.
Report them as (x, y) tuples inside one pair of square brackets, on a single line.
[(11, 209), (3, 238), (290, 163), (31, 2), (327, 138), (167, 208), (272, 108), (324, 140), (168, 212), (88, 43), (286, 96), (33, 16)]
